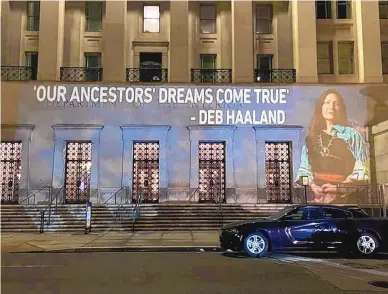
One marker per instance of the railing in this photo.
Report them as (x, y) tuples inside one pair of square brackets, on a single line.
[(136, 210), (193, 194), (115, 195), (42, 213), (202, 75), (220, 200), (33, 195), (18, 73), (81, 74), (275, 76), (152, 75)]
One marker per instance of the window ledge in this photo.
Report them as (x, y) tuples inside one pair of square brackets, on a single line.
[(93, 34), (31, 33), (336, 22), (208, 36)]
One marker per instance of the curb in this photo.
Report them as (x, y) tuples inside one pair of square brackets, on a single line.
[(131, 249)]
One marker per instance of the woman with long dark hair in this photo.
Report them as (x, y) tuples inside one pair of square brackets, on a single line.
[(334, 152)]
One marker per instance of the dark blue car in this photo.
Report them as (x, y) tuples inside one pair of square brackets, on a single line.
[(314, 227)]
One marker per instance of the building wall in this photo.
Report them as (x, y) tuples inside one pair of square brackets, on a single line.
[(380, 139), (113, 127), (292, 43)]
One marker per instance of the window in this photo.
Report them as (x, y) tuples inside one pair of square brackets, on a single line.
[(384, 56), (325, 57), (208, 19), (33, 11), (335, 213), (345, 57), (264, 62), (383, 9), (10, 171), (151, 19), (303, 213), (278, 171), (208, 65), (32, 61), (264, 19), (208, 61), (93, 15), (358, 213), (93, 60), (323, 9), (344, 9)]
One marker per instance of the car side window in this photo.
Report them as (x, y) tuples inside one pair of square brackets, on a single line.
[(303, 213), (330, 213)]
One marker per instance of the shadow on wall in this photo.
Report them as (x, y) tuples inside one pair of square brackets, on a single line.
[(377, 103)]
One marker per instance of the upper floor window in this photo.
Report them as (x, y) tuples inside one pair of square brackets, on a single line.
[(384, 56), (323, 9), (33, 11), (264, 19), (344, 9), (151, 17), (345, 57), (93, 15), (264, 62), (208, 61), (383, 9), (208, 19), (93, 60), (325, 57)]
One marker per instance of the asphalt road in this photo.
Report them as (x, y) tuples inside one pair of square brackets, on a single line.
[(190, 272)]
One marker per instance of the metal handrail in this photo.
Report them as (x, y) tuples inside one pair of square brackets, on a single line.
[(115, 194), (136, 209), (193, 194), (220, 208), (33, 195), (49, 208)]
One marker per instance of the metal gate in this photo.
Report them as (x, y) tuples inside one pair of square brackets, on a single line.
[(10, 171), (212, 172), (145, 172), (78, 171), (278, 172)]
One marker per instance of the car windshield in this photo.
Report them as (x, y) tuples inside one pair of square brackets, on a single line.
[(280, 213)]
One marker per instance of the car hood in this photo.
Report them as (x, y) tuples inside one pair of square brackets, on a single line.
[(238, 224)]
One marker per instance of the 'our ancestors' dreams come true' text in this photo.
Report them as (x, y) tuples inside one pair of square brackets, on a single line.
[(70, 95)]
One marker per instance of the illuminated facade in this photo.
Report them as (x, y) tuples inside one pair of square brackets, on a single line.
[(159, 152)]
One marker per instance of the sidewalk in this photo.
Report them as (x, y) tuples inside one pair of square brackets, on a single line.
[(110, 241)]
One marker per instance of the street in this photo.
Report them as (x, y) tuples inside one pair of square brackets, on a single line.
[(189, 272)]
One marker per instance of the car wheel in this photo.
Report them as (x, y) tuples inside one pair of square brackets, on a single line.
[(256, 244), (367, 244)]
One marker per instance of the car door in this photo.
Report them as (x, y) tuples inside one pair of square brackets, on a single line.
[(299, 226), (335, 224)]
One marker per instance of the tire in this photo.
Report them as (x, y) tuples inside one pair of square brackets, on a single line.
[(367, 244), (256, 244)]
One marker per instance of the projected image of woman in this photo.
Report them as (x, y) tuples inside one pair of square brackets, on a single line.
[(334, 153)]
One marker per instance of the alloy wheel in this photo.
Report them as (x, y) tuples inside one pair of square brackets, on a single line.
[(366, 244)]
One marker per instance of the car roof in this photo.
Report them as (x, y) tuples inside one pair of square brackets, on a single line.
[(328, 205)]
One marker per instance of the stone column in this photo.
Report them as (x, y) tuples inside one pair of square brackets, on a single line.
[(368, 41), (226, 34), (179, 42), (51, 30), (114, 32), (11, 32), (305, 41), (73, 34), (242, 41)]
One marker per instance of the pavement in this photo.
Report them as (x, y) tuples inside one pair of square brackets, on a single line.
[(109, 241), (182, 272)]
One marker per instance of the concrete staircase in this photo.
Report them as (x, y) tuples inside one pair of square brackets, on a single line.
[(153, 217)]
